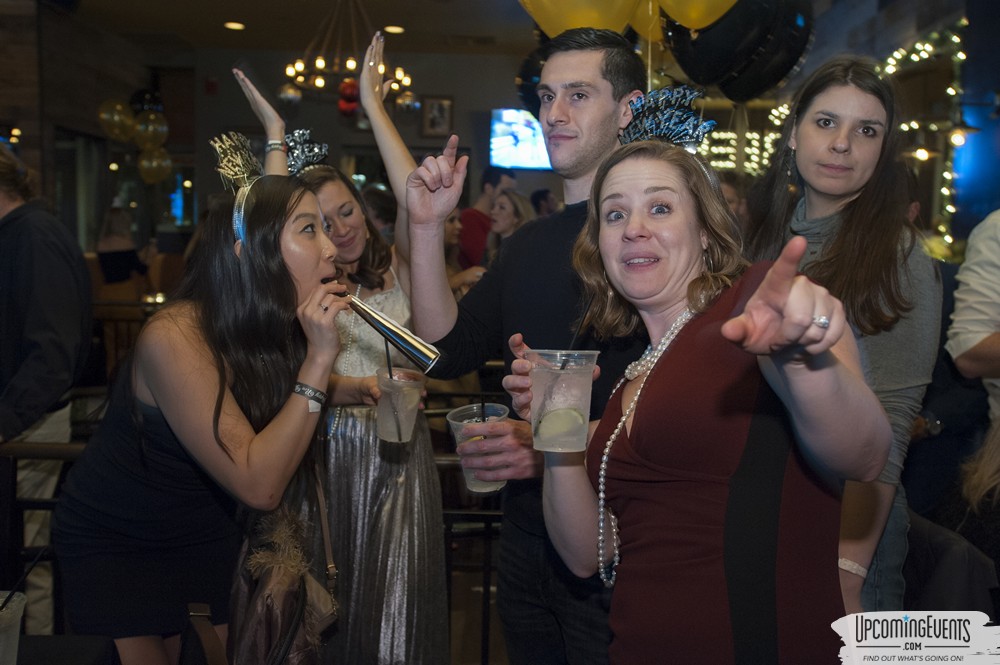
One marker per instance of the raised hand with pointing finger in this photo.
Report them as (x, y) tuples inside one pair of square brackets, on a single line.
[(788, 311)]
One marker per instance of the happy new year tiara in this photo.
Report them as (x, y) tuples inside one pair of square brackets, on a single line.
[(239, 169), (666, 115), (303, 152)]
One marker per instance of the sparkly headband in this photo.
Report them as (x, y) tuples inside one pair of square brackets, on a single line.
[(303, 152), (239, 170), (666, 115)]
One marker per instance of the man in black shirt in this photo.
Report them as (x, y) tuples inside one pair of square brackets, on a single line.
[(587, 80), (45, 330)]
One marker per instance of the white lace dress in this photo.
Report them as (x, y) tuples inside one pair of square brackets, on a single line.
[(385, 518)]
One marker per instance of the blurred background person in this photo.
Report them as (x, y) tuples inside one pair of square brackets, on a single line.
[(381, 206), (116, 250), (974, 335), (510, 212), (734, 188), (544, 202), (460, 280), (476, 220), (45, 332)]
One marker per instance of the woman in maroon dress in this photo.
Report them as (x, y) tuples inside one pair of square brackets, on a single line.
[(709, 490)]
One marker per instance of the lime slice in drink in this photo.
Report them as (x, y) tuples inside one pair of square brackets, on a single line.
[(558, 423)]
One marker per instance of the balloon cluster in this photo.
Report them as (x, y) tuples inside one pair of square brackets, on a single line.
[(555, 16), (645, 18), (745, 47), (141, 121)]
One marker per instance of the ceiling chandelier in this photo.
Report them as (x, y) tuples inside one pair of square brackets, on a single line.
[(336, 51)]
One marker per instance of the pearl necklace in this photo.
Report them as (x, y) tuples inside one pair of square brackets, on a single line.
[(651, 355), (641, 366), (349, 346)]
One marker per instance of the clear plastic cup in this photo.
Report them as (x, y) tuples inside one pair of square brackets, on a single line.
[(561, 383), (473, 413), (397, 408)]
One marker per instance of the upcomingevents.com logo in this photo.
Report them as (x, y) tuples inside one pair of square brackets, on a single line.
[(921, 637)]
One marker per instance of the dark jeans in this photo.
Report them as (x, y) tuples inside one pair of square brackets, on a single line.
[(549, 615)]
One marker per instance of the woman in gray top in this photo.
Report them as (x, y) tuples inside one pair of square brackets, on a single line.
[(838, 182)]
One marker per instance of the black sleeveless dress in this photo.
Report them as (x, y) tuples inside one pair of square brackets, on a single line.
[(141, 530)]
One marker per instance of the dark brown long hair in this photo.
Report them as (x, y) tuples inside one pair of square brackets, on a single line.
[(860, 264), (377, 255)]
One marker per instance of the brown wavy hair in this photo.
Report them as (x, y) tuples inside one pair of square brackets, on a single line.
[(377, 255), (873, 225), (610, 314)]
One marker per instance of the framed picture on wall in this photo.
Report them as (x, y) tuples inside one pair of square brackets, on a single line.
[(436, 116)]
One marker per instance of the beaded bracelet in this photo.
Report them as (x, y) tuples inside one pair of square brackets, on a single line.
[(276, 145), (316, 397)]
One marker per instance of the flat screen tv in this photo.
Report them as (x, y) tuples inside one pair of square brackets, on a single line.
[(516, 140)]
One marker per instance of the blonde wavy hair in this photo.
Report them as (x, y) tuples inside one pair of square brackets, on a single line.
[(981, 474), (609, 313)]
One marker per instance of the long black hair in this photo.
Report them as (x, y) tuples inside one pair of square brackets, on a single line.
[(246, 304)]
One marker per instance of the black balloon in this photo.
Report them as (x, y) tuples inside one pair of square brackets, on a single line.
[(527, 82), (710, 55), (749, 50), (779, 58)]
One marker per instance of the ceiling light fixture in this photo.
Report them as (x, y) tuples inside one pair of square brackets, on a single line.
[(336, 49), (393, 29), (234, 25)]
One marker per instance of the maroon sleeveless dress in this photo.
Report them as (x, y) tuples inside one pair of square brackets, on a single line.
[(728, 540)]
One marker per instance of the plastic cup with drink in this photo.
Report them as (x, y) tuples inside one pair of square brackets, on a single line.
[(561, 382), (476, 413), (399, 404)]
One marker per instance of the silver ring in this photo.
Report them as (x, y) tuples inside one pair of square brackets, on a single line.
[(821, 321), (327, 307)]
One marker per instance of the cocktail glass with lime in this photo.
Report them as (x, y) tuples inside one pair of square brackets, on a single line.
[(560, 398)]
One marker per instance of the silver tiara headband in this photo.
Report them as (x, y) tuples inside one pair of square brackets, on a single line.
[(303, 152), (666, 115), (239, 169)]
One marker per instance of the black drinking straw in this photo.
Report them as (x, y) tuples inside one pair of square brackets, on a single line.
[(579, 325), (576, 333), (24, 576), (482, 408), (395, 411)]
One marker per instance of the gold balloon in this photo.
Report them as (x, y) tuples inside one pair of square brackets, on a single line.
[(696, 14), (555, 16), (646, 20), (155, 165), (150, 130), (116, 119)]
